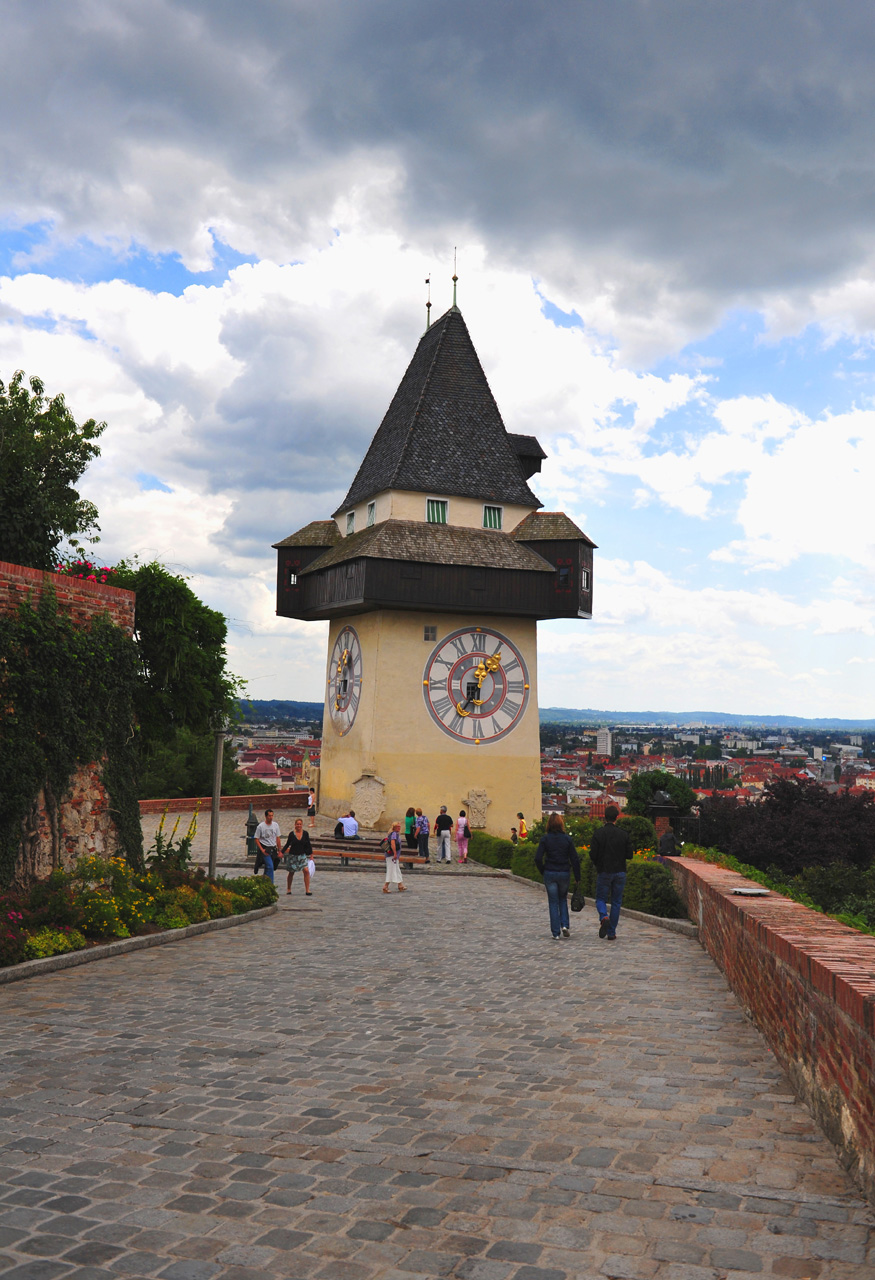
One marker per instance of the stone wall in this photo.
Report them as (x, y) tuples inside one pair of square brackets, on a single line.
[(84, 823), (84, 826), (79, 599), (808, 983)]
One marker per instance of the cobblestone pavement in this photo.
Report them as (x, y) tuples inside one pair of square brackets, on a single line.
[(403, 1086)]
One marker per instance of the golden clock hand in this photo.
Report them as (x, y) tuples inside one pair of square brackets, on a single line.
[(461, 705), (493, 663)]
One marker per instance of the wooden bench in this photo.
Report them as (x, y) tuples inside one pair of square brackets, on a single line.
[(363, 851)]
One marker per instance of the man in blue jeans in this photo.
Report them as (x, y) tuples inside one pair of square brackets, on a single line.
[(609, 852)]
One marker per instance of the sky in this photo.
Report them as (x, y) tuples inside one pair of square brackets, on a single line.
[(216, 221)]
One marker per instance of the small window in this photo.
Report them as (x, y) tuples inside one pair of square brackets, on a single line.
[(564, 577), (584, 579), (372, 513), (492, 517), (429, 633), (350, 522), (293, 579), (436, 511)]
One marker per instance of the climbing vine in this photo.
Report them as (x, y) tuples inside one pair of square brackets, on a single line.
[(66, 699)]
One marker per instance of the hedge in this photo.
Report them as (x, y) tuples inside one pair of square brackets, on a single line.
[(649, 884)]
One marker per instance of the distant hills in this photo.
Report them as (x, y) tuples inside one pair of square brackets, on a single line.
[(271, 710), (684, 719)]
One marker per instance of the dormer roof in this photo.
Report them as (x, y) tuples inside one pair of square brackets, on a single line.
[(443, 432)]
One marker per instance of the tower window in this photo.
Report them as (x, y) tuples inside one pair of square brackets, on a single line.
[(585, 580), (429, 633), (372, 513), (350, 522), (293, 579), (564, 577), (436, 510), (492, 517)]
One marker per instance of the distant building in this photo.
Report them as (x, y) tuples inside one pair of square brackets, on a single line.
[(604, 742)]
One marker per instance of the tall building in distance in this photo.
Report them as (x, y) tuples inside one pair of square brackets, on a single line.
[(433, 573), (604, 742)]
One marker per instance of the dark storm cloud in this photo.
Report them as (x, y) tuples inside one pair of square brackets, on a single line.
[(728, 146)]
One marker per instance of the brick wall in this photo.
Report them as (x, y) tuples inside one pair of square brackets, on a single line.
[(808, 983), (278, 800), (79, 599)]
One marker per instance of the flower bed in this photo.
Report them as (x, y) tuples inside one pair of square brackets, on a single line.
[(101, 900)]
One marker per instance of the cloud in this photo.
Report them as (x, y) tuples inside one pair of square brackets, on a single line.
[(651, 164)]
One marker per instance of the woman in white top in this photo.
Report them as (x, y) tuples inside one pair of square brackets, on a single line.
[(463, 832)]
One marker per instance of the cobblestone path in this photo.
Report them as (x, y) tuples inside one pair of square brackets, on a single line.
[(416, 1085)]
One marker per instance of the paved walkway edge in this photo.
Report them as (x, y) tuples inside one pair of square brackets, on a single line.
[(51, 964), (686, 927)]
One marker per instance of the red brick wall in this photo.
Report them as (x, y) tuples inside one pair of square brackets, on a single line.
[(79, 599), (808, 983), (277, 800)]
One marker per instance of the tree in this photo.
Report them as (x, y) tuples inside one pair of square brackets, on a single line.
[(184, 682), (643, 786), (43, 452)]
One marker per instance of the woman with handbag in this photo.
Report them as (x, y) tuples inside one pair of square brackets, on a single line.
[(556, 859), (297, 852), (463, 835), (393, 853)]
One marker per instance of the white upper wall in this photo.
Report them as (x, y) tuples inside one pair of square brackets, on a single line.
[(405, 504)]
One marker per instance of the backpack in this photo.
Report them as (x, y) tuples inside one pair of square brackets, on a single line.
[(338, 831)]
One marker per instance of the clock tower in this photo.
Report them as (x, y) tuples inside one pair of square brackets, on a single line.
[(433, 573)]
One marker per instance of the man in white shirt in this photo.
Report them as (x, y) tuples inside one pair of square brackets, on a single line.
[(267, 842), (350, 826)]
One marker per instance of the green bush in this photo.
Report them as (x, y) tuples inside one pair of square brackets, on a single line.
[(101, 917), (258, 890), (52, 942), (171, 917), (650, 888), (219, 902), (641, 831)]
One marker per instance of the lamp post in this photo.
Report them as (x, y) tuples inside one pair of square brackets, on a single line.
[(217, 794)]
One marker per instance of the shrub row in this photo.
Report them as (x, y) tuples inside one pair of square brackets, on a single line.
[(101, 900), (649, 884)]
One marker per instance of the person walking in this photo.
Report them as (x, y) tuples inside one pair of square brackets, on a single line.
[(609, 852), (297, 852), (393, 866), (556, 858), (463, 835), (522, 828), (443, 827), (422, 829), (311, 810), (410, 827), (267, 842)]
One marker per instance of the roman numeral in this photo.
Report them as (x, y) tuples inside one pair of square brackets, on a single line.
[(354, 701), (476, 641), (515, 686), (513, 665), (458, 643), (442, 707), (435, 686), (496, 727), (445, 662), (511, 707), (457, 724)]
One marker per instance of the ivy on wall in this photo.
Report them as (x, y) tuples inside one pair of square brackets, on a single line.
[(66, 699)]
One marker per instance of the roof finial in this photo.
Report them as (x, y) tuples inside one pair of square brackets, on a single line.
[(455, 279), (428, 304)]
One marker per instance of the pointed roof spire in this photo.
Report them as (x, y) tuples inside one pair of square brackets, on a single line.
[(455, 279), (443, 432), (428, 303)]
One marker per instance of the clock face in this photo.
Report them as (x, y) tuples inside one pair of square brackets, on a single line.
[(476, 685), (345, 680)]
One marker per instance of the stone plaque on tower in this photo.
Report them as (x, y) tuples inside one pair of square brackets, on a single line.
[(433, 574)]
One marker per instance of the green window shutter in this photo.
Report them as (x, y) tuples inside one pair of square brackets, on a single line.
[(492, 517), (436, 511)]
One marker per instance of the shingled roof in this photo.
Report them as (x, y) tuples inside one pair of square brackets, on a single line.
[(433, 544), (443, 433), (318, 533), (549, 526)]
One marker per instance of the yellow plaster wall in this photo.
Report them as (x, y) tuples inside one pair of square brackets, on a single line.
[(395, 737), (404, 504)]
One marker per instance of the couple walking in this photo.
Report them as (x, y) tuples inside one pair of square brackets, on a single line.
[(417, 829), (556, 859)]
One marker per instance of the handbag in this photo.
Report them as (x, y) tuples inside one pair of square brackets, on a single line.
[(467, 832), (578, 901)]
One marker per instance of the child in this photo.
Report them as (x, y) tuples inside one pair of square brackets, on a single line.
[(513, 835)]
